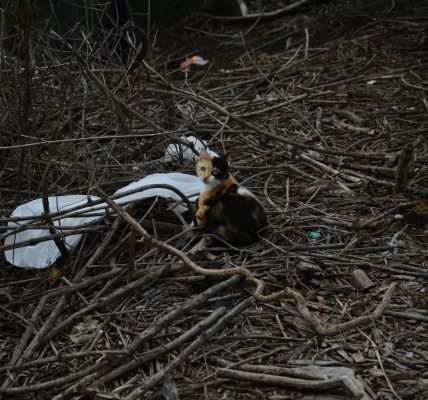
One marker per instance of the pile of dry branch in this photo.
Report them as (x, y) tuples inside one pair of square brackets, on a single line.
[(326, 122)]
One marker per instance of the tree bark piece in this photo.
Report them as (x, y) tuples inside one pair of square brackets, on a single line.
[(406, 156), (359, 280)]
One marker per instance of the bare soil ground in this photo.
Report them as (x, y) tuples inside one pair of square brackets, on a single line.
[(320, 109)]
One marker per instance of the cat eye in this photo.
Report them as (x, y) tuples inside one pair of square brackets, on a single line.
[(203, 169)]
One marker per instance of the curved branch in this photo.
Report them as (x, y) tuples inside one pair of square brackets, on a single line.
[(260, 285), (318, 326)]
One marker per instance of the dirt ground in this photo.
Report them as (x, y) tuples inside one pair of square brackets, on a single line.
[(325, 113)]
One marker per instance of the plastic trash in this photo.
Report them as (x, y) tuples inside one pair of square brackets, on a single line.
[(44, 254), (196, 60), (174, 150), (189, 185), (315, 235)]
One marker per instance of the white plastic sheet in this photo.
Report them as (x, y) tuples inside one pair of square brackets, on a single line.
[(44, 254), (173, 150), (189, 185)]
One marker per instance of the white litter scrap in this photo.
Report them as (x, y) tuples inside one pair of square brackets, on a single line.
[(243, 7), (44, 254), (194, 60), (189, 185), (174, 150)]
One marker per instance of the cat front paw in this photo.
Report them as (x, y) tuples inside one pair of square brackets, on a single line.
[(200, 214)]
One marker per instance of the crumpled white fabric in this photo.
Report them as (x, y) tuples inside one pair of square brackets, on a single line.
[(44, 254), (189, 185)]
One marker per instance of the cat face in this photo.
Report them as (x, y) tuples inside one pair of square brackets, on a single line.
[(209, 169), (204, 169)]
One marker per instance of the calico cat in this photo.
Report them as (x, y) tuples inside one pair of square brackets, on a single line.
[(226, 209)]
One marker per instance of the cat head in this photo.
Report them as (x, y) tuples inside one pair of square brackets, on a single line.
[(211, 169)]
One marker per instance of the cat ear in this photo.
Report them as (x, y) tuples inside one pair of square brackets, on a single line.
[(203, 154), (227, 158)]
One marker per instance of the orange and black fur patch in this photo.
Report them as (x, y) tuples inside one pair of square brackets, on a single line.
[(225, 209)]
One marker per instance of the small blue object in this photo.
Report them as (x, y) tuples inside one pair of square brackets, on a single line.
[(314, 235)]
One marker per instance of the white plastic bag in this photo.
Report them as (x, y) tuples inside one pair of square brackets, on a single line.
[(173, 150), (44, 254), (189, 185)]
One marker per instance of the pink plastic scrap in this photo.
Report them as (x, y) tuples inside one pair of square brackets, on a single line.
[(196, 60)]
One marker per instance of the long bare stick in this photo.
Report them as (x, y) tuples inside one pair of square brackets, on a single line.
[(288, 382), (213, 273), (145, 336), (197, 343), (260, 285)]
